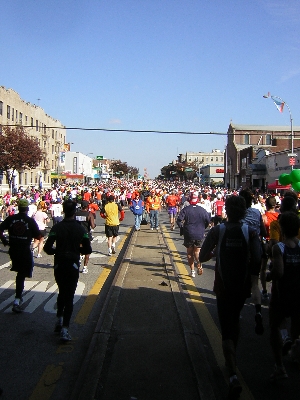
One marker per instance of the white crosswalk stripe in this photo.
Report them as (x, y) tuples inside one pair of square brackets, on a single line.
[(37, 292)]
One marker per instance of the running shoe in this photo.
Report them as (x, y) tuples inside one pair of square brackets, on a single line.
[(235, 389), (64, 335), (113, 250), (286, 345), (39, 256), (85, 270), (109, 252), (17, 309), (259, 328), (264, 295), (193, 273), (278, 374)]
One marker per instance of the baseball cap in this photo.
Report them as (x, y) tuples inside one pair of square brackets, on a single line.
[(194, 198)]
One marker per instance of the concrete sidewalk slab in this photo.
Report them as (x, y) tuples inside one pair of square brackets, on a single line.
[(145, 346)]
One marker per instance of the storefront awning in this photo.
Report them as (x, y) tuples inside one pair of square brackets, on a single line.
[(276, 185)]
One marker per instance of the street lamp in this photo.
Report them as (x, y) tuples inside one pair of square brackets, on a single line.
[(279, 103)]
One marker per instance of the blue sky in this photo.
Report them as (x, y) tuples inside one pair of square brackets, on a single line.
[(164, 65)]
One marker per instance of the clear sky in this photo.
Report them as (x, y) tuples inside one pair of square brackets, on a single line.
[(163, 65)]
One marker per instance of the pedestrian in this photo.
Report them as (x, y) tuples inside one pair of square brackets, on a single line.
[(172, 203), (111, 212), (285, 293), (253, 218), (86, 219), (71, 240), (41, 218), (231, 243), (192, 221), (153, 207), (56, 211), (21, 230), (137, 208)]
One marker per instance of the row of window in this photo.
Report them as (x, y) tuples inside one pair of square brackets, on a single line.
[(266, 139), (212, 159), (17, 117)]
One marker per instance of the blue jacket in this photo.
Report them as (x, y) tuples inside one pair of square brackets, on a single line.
[(137, 207)]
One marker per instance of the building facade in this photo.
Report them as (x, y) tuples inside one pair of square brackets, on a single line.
[(210, 165), (47, 131), (244, 164)]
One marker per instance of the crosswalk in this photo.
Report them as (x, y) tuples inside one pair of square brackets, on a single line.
[(42, 293), (35, 295)]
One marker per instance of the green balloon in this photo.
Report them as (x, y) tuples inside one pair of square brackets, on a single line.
[(295, 175), (296, 186), (285, 179)]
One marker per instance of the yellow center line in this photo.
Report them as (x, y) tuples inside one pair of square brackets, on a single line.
[(47, 382), (91, 298), (211, 329)]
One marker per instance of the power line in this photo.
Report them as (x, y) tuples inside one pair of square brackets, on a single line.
[(122, 130)]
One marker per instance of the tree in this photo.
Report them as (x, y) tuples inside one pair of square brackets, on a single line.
[(122, 169), (17, 151)]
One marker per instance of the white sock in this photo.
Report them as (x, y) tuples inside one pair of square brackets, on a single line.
[(17, 301)]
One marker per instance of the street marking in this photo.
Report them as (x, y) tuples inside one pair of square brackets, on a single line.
[(46, 384), (8, 264), (212, 331), (91, 298), (6, 285), (38, 295), (8, 302)]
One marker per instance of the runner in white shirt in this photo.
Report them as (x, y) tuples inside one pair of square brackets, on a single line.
[(41, 218)]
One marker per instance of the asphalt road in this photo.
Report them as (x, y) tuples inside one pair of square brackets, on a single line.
[(34, 364)]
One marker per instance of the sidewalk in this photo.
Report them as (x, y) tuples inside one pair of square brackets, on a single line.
[(145, 346)]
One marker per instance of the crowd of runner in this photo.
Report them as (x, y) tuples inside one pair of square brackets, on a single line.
[(262, 230)]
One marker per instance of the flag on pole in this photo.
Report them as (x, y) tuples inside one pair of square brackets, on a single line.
[(278, 103)]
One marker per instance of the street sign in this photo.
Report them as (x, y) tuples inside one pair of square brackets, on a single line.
[(99, 158), (292, 155), (292, 161)]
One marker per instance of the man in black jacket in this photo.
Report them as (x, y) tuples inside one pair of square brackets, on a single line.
[(21, 230), (71, 241), (86, 219)]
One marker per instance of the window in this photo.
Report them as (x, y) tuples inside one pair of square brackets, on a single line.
[(16, 116), (52, 149), (247, 138), (221, 159), (211, 159), (217, 158), (36, 125), (8, 111), (268, 139), (12, 114), (26, 120), (1, 108), (20, 117), (52, 133), (31, 121)]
